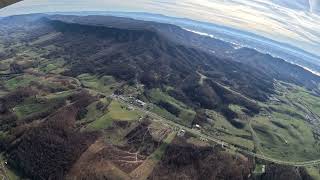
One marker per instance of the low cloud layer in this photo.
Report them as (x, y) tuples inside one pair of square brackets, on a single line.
[(291, 21)]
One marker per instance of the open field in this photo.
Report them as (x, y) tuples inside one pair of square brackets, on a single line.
[(33, 105), (105, 84), (20, 81), (314, 172), (117, 111), (184, 116), (146, 168), (259, 169), (286, 143), (284, 131), (222, 129)]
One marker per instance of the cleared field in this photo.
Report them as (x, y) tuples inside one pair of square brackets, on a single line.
[(56, 67), (186, 115), (105, 84), (26, 80), (237, 109), (117, 111), (222, 129), (146, 168), (45, 38), (283, 131), (62, 94), (20, 81), (221, 124), (286, 139), (120, 111), (314, 172), (93, 112), (5, 65), (296, 95), (280, 131), (33, 105), (5, 172), (163, 113), (259, 169)]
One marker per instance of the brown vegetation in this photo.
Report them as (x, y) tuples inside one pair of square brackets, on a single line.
[(186, 161), (48, 150), (279, 172)]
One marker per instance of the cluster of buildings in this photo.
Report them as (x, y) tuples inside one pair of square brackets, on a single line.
[(131, 100)]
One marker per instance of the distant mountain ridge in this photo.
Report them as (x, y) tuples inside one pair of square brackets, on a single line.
[(231, 35), (171, 33)]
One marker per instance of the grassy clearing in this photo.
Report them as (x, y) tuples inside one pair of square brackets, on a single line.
[(93, 112), (239, 141), (186, 114), (3, 93), (286, 138), (237, 109), (283, 131), (45, 38), (223, 125), (259, 169), (307, 99), (33, 105), (222, 129), (27, 108), (6, 171), (62, 94), (5, 65), (3, 135), (25, 81), (163, 113), (117, 111), (157, 95), (56, 67), (20, 81), (314, 172), (146, 168), (105, 84), (120, 111), (101, 123), (157, 155), (299, 95)]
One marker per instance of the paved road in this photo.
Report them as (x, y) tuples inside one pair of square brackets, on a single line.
[(222, 143)]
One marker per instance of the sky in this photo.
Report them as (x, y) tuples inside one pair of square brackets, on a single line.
[(296, 22)]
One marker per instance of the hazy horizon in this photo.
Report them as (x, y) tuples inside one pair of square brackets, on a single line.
[(295, 22)]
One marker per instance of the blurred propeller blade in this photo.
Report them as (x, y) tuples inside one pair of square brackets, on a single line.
[(4, 3)]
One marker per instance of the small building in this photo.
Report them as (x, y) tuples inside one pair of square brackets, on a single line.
[(140, 103), (263, 169), (181, 133), (130, 108), (197, 126), (203, 139)]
